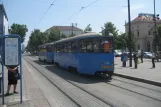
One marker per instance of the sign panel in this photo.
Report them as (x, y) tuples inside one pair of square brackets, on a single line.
[(11, 51)]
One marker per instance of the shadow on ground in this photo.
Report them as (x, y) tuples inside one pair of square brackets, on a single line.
[(73, 76)]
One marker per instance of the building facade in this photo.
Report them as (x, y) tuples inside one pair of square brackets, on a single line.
[(142, 28), (67, 30), (3, 21)]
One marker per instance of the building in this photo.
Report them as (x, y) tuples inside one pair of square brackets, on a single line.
[(3, 20), (67, 30), (142, 27)]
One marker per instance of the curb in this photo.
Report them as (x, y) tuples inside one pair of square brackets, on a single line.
[(139, 79)]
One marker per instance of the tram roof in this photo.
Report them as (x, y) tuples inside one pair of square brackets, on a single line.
[(82, 36), (46, 44)]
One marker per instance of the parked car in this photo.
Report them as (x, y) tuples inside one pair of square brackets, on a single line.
[(118, 53), (128, 54), (147, 55)]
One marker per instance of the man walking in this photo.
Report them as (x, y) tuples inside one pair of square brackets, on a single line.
[(135, 58), (141, 56)]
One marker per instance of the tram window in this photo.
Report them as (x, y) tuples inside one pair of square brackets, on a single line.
[(89, 46), (65, 47), (106, 46), (74, 46), (57, 48), (82, 44), (96, 46), (49, 49), (69, 46)]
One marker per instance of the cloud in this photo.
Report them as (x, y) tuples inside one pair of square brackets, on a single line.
[(134, 8)]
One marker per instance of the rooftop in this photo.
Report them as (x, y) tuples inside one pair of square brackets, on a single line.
[(146, 17), (66, 28)]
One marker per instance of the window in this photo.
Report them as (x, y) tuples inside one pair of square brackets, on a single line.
[(96, 46), (69, 47), (82, 45), (89, 46), (74, 46), (49, 48), (138, 33), (106, 45), (149, 32)]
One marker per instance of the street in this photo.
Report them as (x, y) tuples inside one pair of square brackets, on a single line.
[(62, 88)]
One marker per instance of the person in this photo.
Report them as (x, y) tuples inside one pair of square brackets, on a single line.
[(141, 56), (153, 60), (12, 70), (124, 59), (135, 58)]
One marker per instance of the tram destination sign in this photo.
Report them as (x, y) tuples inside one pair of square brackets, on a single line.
[(11, 51)]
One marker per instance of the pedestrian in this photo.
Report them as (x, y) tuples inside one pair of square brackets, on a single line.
[(141, 56), (153, 60), (135, 58), (124, 59), (13, 76)]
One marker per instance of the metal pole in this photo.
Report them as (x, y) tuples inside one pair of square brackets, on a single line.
[(155, 25), (3, 70), (130, 47), (20, 52), (72, 29)]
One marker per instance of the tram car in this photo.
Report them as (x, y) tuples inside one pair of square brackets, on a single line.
[(90, 53), (46, 53)]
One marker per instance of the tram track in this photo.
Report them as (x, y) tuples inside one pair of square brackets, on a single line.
[(99, 100), (109, 101), (130, 83), (132, 90)]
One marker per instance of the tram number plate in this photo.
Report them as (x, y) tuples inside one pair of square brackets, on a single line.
[(106, 66)]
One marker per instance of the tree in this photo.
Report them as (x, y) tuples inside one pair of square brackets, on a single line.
[(54, 35), (108, 28), (88, 28), (157, 38), (63, 36), (37, 38), (123, 41), (72, 35), (19, 29)]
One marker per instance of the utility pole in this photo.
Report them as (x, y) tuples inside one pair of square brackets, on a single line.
[(130, 47), (155, 25), (72, 29)]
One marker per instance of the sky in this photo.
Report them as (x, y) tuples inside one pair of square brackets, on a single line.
[(30, 12)]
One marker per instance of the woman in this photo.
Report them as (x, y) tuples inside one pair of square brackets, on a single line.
[(12, 80)]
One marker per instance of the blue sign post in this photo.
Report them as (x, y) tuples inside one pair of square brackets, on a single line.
[(11, 55)]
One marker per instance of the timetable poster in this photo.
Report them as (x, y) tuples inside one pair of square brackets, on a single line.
[(11, 51)]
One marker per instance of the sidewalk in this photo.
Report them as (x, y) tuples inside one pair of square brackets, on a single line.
[(144, 72), (32, 95)]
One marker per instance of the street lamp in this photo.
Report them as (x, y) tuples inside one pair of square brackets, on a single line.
[(130, 49)]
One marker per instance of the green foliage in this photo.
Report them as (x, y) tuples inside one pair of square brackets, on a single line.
[(37, 38), (108, 28), (54, 35), (72, 35), (157, 39), (19, 29), (88, 28)]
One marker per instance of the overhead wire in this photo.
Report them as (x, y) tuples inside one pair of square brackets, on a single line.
[(82, 8), (46, 11)]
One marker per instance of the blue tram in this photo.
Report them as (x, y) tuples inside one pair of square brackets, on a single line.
[(46, 53), (89, 53)]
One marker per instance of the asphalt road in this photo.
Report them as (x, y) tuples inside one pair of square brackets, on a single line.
[(66, 89)]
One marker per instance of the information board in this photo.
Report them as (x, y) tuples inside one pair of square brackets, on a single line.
[(11, 51)]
